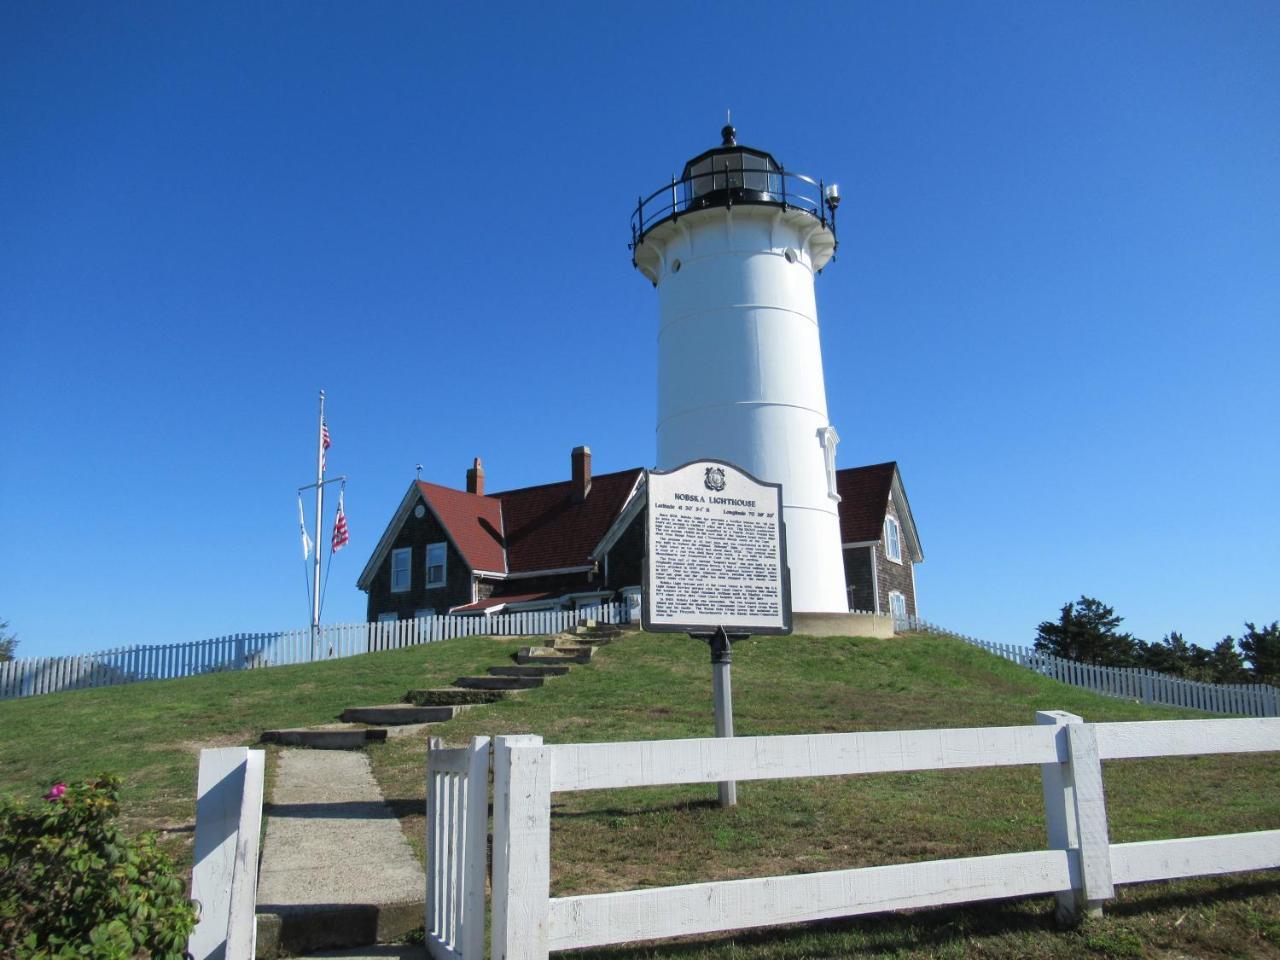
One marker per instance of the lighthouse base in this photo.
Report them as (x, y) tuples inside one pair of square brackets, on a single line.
[(876, 625), (815, 560)]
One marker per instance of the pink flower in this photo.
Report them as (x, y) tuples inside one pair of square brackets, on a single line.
[(56, 792)]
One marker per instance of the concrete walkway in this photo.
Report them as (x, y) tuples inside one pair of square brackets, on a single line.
[(336, 869)]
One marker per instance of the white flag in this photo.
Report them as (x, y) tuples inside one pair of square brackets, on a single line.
[(302, 522)]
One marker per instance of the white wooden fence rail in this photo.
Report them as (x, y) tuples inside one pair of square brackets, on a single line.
[(1081, 866), (224, 877), (457, 843), (1129, 683), (247, 651)]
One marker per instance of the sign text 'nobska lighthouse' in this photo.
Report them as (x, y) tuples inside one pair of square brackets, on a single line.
[(733, 247)]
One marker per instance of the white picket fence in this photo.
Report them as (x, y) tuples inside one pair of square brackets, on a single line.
[(1080, 865), (1129, 683), (33, 676)]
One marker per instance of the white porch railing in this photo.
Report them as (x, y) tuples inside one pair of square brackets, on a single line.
[(250, 651), (1081, 865)]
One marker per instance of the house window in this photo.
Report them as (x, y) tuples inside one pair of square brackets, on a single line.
[(387, 618), (401, 564), (897, 607), (829, 439), (423, 613), (892, 541), (436, 554)]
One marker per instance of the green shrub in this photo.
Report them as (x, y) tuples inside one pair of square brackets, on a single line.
[(73, 885)]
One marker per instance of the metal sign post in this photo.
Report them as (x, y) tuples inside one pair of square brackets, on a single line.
[(716, 567), (722, 694)]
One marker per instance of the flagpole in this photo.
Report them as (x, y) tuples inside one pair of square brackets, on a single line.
[(315, 589)]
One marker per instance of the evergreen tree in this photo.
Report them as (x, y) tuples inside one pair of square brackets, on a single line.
[(1171, 654), (1225, 663), (1261, 648), (8, 641), (1174, 656), (1086, 631)]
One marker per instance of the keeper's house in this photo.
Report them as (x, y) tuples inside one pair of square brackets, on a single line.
[(580, 542)]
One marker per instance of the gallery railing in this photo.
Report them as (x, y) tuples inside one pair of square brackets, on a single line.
[(728, 186)]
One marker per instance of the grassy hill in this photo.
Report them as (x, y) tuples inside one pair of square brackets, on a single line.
[(659, 687)]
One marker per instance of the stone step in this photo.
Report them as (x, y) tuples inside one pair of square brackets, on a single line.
[(379, 951), (334, 736), (585, 641), (454, 696), (601, 633), (322, 927), (571, 644), (340, 736), (397, 714), (499, 683), (554, 655), (545, 670), (566, 641)]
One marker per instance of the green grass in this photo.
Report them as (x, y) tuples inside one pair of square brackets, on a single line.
[(659, 687), (647, 686), (151, 733)]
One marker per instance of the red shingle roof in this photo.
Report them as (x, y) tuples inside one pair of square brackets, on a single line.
[(546, 530), (864, 495), (541, 527), (474, 522)]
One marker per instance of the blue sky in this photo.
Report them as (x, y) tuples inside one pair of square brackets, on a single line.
[(1055, 302)]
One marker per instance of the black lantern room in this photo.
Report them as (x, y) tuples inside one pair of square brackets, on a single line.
[(733, 174)]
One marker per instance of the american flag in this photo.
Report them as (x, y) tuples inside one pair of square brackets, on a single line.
[(325, 444), (340, 536)]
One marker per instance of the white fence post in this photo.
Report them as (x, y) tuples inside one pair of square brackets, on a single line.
[(457, 831), (224, 880), (521, 848), (1059, 806), (1091, 817), (1076, 814)]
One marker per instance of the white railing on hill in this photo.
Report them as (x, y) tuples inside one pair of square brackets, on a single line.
[(33, 676), (1129, 683), (1079, 864)]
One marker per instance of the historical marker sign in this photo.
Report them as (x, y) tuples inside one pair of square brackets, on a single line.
[(717, 552)]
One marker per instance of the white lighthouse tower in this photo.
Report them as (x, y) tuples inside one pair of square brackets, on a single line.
[(733, 247)]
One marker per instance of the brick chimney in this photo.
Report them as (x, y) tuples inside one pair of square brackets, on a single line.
[(475, 478), (581, 473)]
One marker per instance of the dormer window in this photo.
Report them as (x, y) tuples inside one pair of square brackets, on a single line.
[(892, 540)]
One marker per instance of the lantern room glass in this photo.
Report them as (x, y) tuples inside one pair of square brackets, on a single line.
[(732, 170)]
